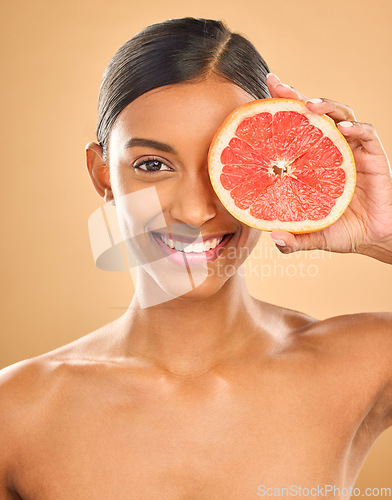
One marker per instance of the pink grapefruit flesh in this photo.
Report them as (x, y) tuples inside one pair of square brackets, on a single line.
[(276, 165)]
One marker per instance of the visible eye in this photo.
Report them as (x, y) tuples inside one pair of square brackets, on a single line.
[(151, 165)]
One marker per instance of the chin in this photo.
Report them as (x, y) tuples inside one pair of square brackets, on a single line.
[(157, 284), (207, 289)]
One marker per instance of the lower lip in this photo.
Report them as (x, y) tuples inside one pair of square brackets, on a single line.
[(184, 258)]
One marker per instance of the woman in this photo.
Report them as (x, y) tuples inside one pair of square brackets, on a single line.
[(202, 393)]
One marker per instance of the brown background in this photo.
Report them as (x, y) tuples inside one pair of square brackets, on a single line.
[(52, 62)]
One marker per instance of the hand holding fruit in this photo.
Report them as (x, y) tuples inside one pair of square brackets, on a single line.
[(366, 225)]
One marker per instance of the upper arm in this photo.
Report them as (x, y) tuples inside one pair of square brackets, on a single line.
[(379, 348), (362, 346), (16, 393), (388, 387), (6, 430)]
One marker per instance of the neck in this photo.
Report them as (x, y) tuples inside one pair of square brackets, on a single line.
[(190, 336)]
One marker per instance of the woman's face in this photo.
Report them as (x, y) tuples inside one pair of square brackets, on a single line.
[(157, 156)]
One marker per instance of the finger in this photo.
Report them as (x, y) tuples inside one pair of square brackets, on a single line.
[(289, 242), (272, 81), (362, 134), (333, 109), (279, 89), (285, 91)]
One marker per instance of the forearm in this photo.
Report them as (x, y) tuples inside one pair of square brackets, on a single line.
[(381, 250)]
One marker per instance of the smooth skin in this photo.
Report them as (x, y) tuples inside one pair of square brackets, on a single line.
[(212, 394)]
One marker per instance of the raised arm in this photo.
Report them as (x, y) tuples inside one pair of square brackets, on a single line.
[(366, 225)]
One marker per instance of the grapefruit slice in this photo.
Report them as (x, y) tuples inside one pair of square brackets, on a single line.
[(276, 165)]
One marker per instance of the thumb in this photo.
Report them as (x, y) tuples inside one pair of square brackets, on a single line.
[(289, 242)]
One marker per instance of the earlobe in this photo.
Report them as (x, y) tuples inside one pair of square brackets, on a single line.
[(108, 197), (98, 171)]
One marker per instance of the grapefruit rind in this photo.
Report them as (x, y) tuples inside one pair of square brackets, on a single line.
[(272, 105)]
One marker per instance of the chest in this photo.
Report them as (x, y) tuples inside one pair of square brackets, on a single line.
[(196, 442)]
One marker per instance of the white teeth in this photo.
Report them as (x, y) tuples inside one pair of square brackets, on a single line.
[(207, 245), (198, 247), (212, 243), (191, 247), (178, 245), (169, 242)]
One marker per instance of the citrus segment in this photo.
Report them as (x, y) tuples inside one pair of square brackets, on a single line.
[(297, 201), (245, 192), (276, 165), (238, 175), (257, 132), (327, 181), (325, 155), (293, 135), (240, 152)]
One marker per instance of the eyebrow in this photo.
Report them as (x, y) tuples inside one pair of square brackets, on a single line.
[(148, 143)]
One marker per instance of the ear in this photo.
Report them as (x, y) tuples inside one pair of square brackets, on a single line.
[(99, 172)]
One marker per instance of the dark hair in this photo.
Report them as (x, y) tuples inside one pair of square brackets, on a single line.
[(177, 51)]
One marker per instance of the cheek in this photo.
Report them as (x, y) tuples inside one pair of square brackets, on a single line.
[(251, 239), (252, 235), (119, 181)]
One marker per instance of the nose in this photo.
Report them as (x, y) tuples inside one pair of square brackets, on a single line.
[(194, 201)]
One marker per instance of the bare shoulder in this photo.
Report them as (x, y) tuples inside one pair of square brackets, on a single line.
[(354, 350), (34, 390), (361, 335), (370, 332), (22, 386), (37, 380), (25, 387), (359, 344), (28, 380), (20, 383)]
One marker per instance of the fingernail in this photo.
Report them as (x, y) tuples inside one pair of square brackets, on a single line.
[(272, 74), (316, 100), (345, 124), (283, 85), (281, 243)]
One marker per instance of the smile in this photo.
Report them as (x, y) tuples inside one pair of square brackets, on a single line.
[(177, 248), (186, 247)]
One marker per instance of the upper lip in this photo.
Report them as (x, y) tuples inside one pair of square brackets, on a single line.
[(187, 239)]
